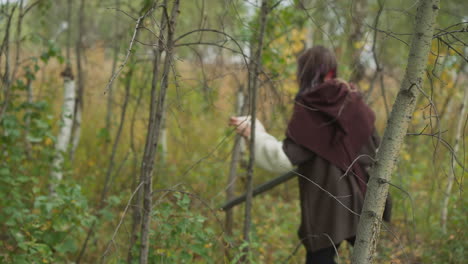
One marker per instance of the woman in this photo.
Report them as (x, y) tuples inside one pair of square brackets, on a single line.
[(331, 139)]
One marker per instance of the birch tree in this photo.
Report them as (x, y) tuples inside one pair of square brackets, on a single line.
[(397, 126), (68, 110), (66, 123)]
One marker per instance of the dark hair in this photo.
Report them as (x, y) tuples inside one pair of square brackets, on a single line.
[(312, 67)]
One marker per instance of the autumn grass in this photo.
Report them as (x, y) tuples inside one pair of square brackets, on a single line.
[(199, 146)]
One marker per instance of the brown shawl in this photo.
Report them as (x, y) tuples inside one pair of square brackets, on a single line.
[(333, 121)]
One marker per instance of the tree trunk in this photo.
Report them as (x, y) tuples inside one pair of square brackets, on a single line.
[(6, 78), (110, 168), (164, 147), (69, 16), (356, 38), (254, 71), (458, 136), (19, 28), (154, 127), (28, 116), (136, 212), (80, 91), (66, 119), (375, 56), (235, 158), (400, 117), (110, 96)]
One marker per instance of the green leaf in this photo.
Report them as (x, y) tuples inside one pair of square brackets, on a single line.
[(33, 139), (67, 246), (4, 171)]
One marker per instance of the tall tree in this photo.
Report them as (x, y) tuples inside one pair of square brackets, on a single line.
[(80, 89), (5, 49), (66, 123), (116, 48), (397, 126), (68, 109), (155, 123), (136, 212), (254, 72), (356, 39)]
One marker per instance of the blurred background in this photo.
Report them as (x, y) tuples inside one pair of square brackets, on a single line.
[(105, 50)]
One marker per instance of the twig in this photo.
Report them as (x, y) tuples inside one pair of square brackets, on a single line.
[(129, 51), (121, 220)]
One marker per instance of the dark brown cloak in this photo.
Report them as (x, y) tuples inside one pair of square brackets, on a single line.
[(333, 122), (331, 127)]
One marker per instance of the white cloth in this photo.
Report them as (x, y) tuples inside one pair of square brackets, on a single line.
[(269, 153)]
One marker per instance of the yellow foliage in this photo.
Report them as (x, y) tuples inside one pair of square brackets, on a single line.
[(161, 251), (48, 141), (364, 86), (359, 44), (405, 156), (209, 245)]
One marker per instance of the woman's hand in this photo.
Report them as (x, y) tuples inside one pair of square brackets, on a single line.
[(242, 124)]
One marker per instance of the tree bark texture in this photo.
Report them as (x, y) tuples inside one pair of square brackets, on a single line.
[(19, 29), (28, 116), (458, 136), (66, 119), (110, 168), (356, 38), (254, 71), (400, 117), (6, 78), (115, 59), (154, 129), (235, 158), (136, 212), (80, 82)]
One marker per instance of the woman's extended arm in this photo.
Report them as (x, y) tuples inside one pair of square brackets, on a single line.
[(269, 153)]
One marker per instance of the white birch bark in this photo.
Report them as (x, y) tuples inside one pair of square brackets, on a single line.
[(458, 136), (76, 131), (66, 119), (400, 117)]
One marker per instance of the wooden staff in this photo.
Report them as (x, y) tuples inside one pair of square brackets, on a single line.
[(259, 189)]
